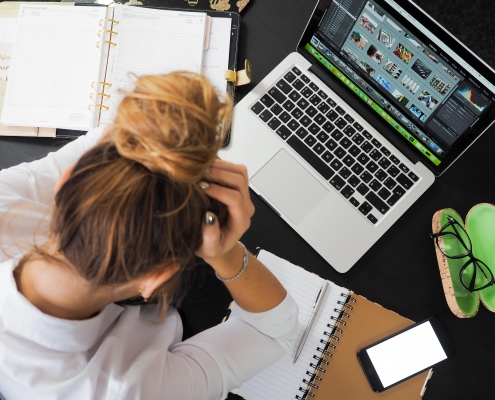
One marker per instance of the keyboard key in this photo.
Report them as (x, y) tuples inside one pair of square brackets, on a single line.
[(363, 158), (363, 189), (375, 185), (289, 77), (376, 202), (376, 143), (341, 123), (357, 168), (375, 155), (336, 164), (322, 94), (393, 199), (318, 148), (331, 102), (310, 157), (331, 144), (283, 132), (395, 160), (315, 100), (323, 108), (372, 167), (257, 108), (372, 218), (348, 160), (399, 191), (296, 113), (293, 125), (266, 116), (305, 79), (385, 152), (367, 135), (345, 143), (337, 135), (298, 84), (310, 141), (366, 177), (307, 92), (384, 163), (302, 133), (339, 152), (357, 126), (305, 121), (349, 119), (347, 191), (285, 117), (365, 208), (349, 130), (303, 103), (327, 156), (314, 129), (403, 168), (274, 123), (289, 105), (413, 176), (328, 127), (383, 193), (277, 95), (389, 183), (405, 181), (296, 70), (320, 119), (284, 86), (366, 147), (267, 101), (322, 137), (393, 171), (332, 115), (313, 86), (381, 175), (358, 139), (353, 181), (340, 110), (294, 96), (354, 202), (311, 111), (276, 109), (345, 173), (354, 150), (337, 182)]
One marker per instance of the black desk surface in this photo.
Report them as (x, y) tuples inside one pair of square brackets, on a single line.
[(400, 271)]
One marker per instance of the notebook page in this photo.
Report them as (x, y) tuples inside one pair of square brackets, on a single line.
[(216, 58), (283, 379), (55, 59), (150, 42)]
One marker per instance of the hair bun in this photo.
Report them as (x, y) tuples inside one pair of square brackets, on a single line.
[(172, 124)]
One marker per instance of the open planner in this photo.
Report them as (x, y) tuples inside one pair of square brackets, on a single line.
[(328, 367), (85, 56)]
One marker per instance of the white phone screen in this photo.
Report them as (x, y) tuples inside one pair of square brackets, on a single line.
[(405, 354)]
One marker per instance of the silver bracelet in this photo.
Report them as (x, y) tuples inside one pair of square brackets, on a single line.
[(245, 262)]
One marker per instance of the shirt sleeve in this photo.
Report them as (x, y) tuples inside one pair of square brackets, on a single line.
[(222, 358), (27, 192)]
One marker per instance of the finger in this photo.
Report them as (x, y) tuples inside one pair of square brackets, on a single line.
[(228, 166), (211, 235)]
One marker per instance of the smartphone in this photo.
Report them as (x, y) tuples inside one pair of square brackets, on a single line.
[(405, 354)]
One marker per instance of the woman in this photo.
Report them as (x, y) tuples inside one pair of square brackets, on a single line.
[(131, 210)]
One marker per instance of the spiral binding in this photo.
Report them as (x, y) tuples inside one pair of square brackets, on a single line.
[(325, 350)]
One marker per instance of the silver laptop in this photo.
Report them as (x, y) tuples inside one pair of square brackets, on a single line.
[(345, 134)]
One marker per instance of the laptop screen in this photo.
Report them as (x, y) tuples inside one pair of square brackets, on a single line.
[(408, 76)]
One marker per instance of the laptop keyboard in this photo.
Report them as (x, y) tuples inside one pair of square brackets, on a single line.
[(346, 155)]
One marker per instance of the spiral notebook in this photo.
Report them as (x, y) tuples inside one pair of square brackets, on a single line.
[(328, 367), (83, 57)]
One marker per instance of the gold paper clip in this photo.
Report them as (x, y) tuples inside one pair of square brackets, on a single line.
[(242, 77), (107, 30), (99, 94), (105, 41), (98, 105), (101, 83), (107, 19)]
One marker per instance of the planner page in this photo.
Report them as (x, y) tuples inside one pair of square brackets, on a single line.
[(54, 62), (149, 42), (283, 379)]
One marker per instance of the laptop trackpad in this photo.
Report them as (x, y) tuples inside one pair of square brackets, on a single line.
[(292, 189)]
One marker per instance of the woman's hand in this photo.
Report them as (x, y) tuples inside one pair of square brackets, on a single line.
[(229, 184)]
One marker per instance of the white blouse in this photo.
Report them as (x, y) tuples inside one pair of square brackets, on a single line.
[(122, 353)]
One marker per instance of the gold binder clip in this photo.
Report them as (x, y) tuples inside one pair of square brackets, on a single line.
[(242, 77), (107, 30), (192, 3), (98, 105), (107, 19), (100, 83), (99, 94), (105, 41)]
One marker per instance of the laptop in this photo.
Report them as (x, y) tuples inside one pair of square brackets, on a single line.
[(346, 133)]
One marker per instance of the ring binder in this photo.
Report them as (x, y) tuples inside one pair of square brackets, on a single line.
[(98, 105), (99, 94), (107, 30), (101, 83), (109, 20), (105, 41)]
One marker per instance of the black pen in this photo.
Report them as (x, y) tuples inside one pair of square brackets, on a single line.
[(319, 299)]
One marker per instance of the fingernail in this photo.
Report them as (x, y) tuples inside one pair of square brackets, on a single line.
[(210, 218), (203, 185)]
